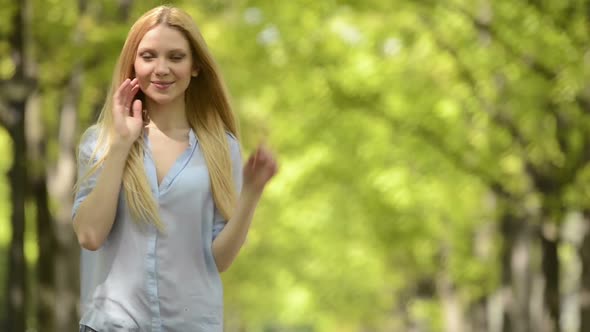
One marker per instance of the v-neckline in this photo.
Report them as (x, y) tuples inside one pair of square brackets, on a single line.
[(178, 165)]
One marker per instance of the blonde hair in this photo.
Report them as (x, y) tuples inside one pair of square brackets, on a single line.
[(208, 112)]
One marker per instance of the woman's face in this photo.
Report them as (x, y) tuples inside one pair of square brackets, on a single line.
[(164, 64)]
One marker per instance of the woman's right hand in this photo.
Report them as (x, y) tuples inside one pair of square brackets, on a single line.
[(128, 122)]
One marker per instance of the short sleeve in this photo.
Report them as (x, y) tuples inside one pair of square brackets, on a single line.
[(84, 164), (236, 158)]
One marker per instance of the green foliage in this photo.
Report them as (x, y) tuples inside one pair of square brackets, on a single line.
[(395, 126), (5, 163)]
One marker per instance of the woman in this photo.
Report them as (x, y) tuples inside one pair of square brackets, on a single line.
[(163, 204)]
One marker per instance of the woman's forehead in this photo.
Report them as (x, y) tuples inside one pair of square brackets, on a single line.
[(163, 37)]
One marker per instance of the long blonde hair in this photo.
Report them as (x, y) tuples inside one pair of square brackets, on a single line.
[(209, 114)]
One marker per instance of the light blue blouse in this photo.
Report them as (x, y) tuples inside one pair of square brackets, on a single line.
[(144, 280)]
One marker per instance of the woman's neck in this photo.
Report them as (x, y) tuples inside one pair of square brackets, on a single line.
[(166, 117)]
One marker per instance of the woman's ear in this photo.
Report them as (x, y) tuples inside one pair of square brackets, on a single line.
[(195, 72)]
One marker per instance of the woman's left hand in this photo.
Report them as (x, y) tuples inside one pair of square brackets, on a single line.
[(258, 170)]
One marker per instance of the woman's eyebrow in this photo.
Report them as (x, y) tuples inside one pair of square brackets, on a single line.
[(145, 49), (148, 49)]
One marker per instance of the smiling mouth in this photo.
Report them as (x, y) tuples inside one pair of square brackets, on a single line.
[(162, 85)]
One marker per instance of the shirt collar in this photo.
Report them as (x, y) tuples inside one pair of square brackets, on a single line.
[(192, 138)]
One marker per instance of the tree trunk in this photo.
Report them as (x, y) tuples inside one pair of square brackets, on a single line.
[(16, 283), (476, 317), (550, 263), (451, 305), (45, 269), (67, 254), (516, 274), (17, 269), (47, 248), (453, 314), (549, 239), (584, 253)]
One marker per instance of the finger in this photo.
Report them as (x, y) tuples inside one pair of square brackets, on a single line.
[(137, 109), (124, 86), (273, 169), (262, 153), (265, 154), (129, 92), (124, 101), (134, 87), (270, 165), (127, 96), (120, 93), (254, 158), (133, 93)]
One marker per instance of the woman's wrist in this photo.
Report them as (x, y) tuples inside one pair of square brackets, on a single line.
[(250, 194), (119, 150)]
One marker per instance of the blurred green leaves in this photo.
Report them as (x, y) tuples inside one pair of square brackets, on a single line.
[(393, 124)]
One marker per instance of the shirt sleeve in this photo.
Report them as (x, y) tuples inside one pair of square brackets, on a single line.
[(84, 164), (236, 158)]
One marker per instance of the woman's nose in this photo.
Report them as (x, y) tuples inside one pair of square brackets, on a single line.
[(162, 67)]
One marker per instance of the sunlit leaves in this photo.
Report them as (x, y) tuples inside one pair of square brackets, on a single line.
[(390, 121)]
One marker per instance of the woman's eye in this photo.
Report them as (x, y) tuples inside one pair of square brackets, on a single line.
[(146, 56), (177, 57)]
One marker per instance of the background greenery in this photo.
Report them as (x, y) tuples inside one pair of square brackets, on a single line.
[(434, 159)]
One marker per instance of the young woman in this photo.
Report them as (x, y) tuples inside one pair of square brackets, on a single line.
[(163, 203)]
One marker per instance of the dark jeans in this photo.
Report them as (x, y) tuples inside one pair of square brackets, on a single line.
[(84, 328)]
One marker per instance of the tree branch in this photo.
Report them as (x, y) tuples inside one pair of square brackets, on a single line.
[(478, 23), (543, 175), (457, 159), (452, 155), (528, 59), (497, 117), (559, 24), (466, 74), (583, 103), (4, 116)]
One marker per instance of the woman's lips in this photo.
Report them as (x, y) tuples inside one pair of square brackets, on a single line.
[(162, 85)]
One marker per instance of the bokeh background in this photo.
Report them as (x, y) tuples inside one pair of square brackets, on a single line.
[(434, 159)]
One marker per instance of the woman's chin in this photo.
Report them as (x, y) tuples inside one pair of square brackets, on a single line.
[(160, 99)]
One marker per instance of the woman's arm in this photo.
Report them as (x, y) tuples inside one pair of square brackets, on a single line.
[(95, 216), (259, 169), (228, 243)]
